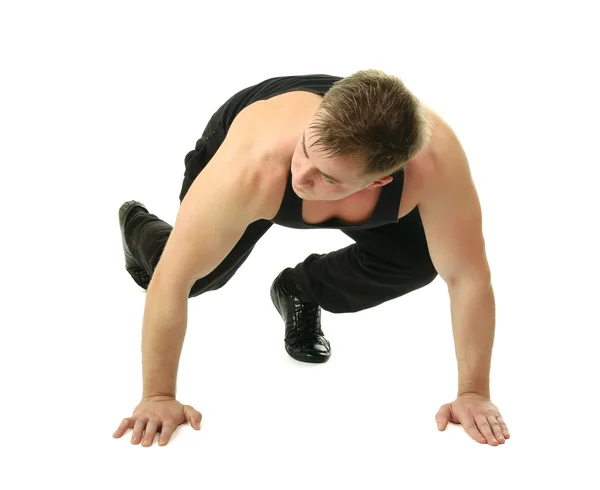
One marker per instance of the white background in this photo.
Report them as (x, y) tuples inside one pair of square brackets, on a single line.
[(100, 101)]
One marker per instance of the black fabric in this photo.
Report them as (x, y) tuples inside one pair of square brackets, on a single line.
[(224, 116), (386, 209), (384, 263), (290, 285)]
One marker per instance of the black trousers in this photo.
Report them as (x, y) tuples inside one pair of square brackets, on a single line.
[(383, 263)]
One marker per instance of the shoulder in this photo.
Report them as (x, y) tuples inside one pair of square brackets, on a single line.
[(439, 173), (262, 130), (253, 156), (443, 163)]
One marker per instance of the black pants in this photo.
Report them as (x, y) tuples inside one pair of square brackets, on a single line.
[(384, 262)]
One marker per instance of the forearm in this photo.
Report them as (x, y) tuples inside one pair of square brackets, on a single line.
[(473, 325), (163, 332)]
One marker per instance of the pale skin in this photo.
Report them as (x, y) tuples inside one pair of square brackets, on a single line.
[(245, 181)]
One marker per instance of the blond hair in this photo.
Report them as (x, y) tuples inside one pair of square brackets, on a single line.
[(372, 116)]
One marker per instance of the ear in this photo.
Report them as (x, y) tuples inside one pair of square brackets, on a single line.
[(380, 182)]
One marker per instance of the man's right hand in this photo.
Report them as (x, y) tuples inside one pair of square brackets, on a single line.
[(158, 414)]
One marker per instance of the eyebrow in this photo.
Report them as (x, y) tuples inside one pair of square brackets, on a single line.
[(305, 153)]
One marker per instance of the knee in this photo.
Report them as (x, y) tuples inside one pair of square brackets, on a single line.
[(424, 273), (205, 284)]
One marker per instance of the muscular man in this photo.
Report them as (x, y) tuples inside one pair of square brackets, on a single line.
[(361, 154)]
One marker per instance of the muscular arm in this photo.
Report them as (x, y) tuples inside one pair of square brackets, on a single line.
[(452, 221), (219, 206)]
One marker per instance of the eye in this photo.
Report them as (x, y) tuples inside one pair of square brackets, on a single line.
[(329, 181)]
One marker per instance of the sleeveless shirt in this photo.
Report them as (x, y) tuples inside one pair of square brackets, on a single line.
[(290, 211)]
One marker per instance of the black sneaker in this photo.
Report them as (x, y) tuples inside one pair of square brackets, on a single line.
[(136, 271), (304, 339)]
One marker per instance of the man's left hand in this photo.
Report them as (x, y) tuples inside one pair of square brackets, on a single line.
[(478, 415)]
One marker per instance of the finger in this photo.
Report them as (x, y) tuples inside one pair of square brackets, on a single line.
[(471, 429), (194, 417), (484, 428), (123, 426), (504, 428), (496, 429), (443, 416), (151, 429), (138, 428), (194, 421), (166, 432)]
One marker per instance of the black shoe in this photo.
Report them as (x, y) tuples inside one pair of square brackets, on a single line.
[(139, 274), (304, 339)]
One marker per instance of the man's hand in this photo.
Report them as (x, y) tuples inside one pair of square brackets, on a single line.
[(479, 417), (158, 414)]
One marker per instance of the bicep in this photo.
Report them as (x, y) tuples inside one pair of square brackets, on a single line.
[(212, 218), (452, 222)]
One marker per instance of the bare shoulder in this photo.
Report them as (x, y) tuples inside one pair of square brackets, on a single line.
[(451, 213), (439, 172), (264, 136), (252, 156), (443, 163)]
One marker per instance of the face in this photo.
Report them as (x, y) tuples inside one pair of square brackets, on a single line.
[(317, 177)]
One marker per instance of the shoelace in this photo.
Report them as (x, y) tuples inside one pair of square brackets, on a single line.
[(307, 324)]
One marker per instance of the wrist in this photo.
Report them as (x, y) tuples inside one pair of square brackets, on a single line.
[(480, 388), (155, 396), (473, 382), (485, 394)]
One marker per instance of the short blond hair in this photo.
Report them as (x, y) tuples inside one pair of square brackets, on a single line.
[(372, 116)]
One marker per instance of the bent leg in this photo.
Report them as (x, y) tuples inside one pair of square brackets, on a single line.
[(146, 236), (384, 263)]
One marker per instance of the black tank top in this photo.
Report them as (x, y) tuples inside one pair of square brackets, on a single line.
[(290, 211)]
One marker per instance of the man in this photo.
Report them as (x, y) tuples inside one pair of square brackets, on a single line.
[(361, 154)]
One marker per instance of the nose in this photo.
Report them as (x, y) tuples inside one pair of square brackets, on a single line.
[(303, 183), (300, 178), (301, 173)]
